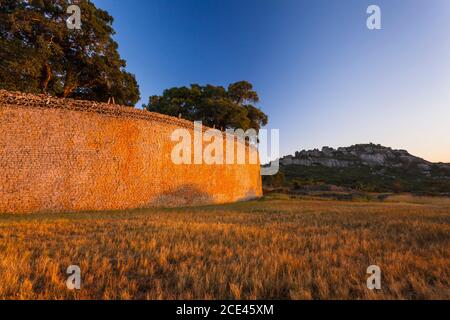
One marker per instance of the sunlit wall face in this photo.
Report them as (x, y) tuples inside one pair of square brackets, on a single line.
[(323, 77)]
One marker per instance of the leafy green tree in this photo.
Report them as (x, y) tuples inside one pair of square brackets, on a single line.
[(40, 54), (214, 105)]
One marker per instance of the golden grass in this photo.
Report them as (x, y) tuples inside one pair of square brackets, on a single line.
[(419, 199), (268, 249)]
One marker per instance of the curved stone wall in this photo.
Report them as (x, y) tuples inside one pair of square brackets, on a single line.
[(59, 155)]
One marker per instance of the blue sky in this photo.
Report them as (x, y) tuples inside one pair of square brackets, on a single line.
[(322, 76)]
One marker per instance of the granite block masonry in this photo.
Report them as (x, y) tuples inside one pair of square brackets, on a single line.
[(65, 155)]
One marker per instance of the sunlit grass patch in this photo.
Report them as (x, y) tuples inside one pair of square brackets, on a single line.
[(271, 248)]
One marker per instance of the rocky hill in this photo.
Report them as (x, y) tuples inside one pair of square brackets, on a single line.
[(367, 167)]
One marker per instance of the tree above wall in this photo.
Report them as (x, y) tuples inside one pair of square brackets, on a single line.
[(39, 53), (215, 106)]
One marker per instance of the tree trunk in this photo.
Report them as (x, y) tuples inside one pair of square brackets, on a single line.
[(47, 77), (68, 90)]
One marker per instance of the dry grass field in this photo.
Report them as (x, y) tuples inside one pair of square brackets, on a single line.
[(272, 249)]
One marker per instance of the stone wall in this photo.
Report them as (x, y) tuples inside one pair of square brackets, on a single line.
[(64, 155)]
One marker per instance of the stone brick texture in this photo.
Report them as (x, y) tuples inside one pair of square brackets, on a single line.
[(65, 155)]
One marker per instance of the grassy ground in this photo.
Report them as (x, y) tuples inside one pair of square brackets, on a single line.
[(272, 248)]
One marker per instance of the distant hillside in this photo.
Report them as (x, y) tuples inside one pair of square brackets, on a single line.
[(364, 167)]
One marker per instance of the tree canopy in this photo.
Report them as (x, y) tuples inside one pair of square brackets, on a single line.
[(215, 106), (40, 54)]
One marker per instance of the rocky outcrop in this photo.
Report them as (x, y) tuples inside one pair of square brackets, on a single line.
[(363, 167), (371, 155)]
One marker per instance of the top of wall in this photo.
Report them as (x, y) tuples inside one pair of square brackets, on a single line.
[(29, 100)]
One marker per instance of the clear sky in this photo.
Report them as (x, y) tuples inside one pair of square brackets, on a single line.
[(322, 76)]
